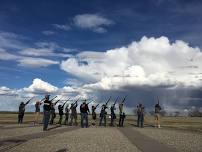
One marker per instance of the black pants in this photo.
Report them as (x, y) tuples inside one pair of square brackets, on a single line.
[(101, 118), (53, 115), (121, 120), (20, 117), (60, 119), (113, 117), (66, 118), (140, 120)]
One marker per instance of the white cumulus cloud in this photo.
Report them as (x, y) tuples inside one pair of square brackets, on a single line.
[(150, 61), (40, 86)]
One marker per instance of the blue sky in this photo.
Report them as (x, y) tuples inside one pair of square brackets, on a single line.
[(57, 41)]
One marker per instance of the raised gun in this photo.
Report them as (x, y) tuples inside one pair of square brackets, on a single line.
[(53, 98), (158, 99), (76, 101), (115, 101), (96, 105), (108, 101), (123, 100), (28, 101), (65, 102), (57, 101)]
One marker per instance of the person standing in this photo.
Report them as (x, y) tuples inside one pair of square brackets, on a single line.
[(22, 111), (157, 115), (73, 113), (46, 112), (37, 111), (84, 110), (52, 111), (66, 114), (103, 115), (61, 113), (140, 115), (113, 115), (120, 114), (94, 116), (122, 119)]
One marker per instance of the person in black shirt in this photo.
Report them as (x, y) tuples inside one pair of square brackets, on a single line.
[(84, 110), (46, 108), (66, 114), (103, 115), (140, 115), (73, 114), (113, 115), (157, 115), (22, 111)]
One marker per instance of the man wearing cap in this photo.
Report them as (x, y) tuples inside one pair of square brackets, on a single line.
[(46, 108)]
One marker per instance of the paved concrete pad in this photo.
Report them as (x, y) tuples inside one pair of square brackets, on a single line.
[(12, 142), (145, 143)]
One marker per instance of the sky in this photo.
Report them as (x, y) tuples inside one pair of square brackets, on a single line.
[(145, 49)]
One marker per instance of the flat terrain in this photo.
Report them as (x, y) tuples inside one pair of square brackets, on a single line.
[(177, 134)]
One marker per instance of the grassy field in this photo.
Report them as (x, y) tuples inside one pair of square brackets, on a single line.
[(186, 123)]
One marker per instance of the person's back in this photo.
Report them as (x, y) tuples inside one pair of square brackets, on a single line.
[(157, 108), (60, 109), (67, 110), (84, 108), (22, 108), (103, 114), (47, 105), (46, 108), (37, 106), (74, 108), (112, 109), (21, 112), (157, 115), (139, 110)]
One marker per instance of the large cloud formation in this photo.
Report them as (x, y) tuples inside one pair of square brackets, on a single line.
[(149, 62), (40, 86)]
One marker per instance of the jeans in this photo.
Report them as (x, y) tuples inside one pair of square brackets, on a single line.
[(66, 118), (101, 118), (140, 120), (84, 116), (20, 117), (60, 120), (46, 118)]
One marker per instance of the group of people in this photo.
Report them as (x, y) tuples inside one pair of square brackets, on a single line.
[(49, 113), (141, 112)]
